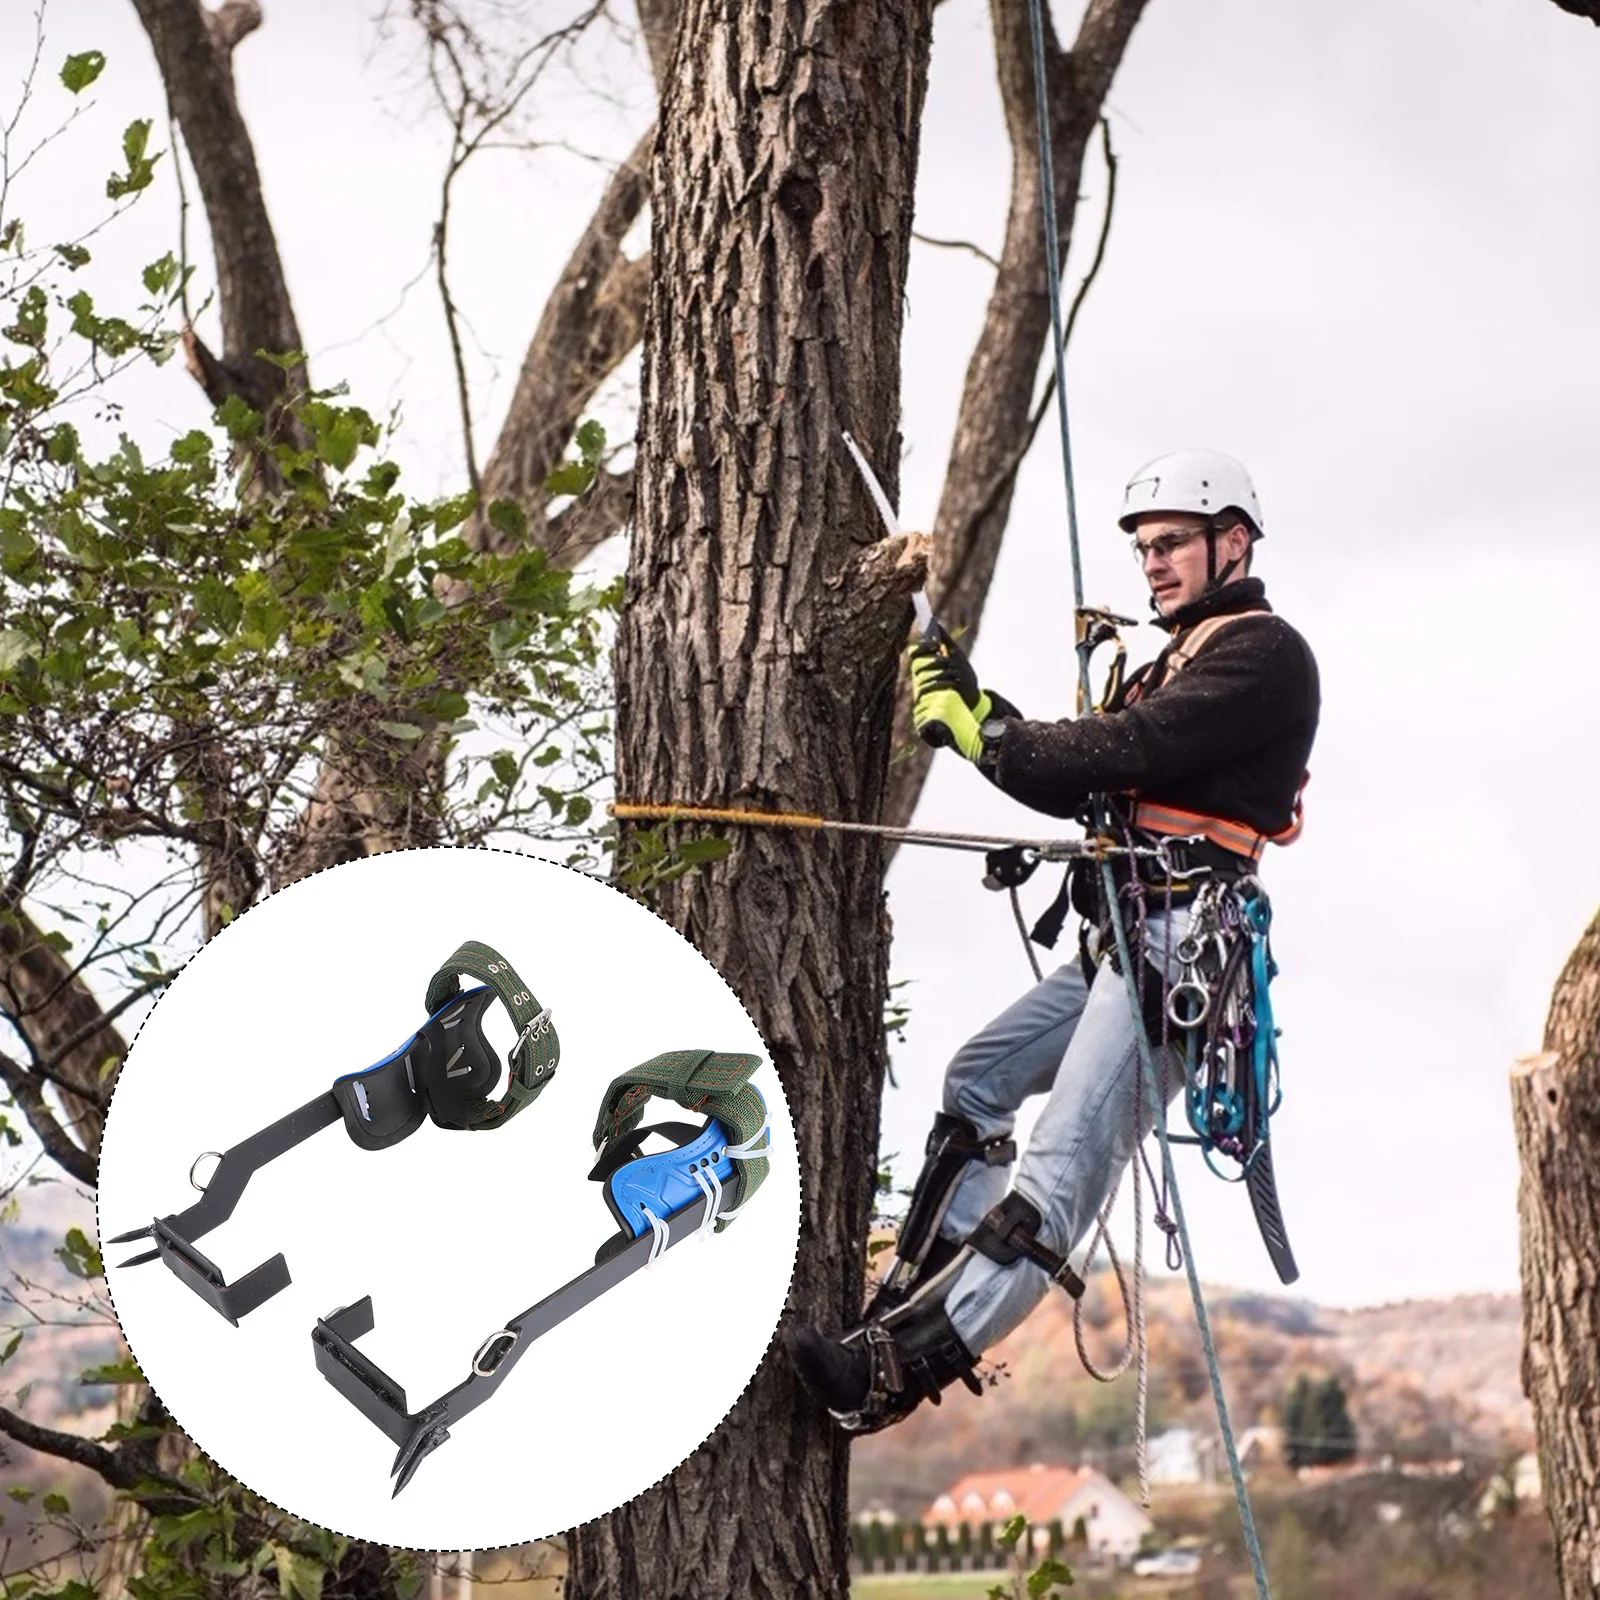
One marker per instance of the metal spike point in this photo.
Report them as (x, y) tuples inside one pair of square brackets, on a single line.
[(136, 1233), (413, 1453), (139, 1261)]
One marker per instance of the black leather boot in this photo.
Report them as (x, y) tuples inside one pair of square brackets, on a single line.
[(883, 1372)]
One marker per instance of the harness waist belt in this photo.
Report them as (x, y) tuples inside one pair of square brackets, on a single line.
[(1238, 837)]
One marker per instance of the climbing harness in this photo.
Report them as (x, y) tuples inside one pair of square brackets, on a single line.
[(445, 1070), (696, 1187)]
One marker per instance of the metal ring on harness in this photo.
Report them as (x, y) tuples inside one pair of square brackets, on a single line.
[(1177, 1014)]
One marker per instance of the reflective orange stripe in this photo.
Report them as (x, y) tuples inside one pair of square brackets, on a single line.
[(1239, 837)]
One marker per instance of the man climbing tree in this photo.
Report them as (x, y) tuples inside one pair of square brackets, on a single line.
[(1202, 755)]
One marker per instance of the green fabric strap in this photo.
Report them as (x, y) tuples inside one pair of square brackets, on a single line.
[(537, 1052), (698, 1080)]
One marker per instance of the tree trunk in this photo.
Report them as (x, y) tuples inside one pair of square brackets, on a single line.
[(756, 665), (1555, 1102)]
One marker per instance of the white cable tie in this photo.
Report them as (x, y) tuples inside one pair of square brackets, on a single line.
[(711, 1188), (663, 1235), (747, 1150)]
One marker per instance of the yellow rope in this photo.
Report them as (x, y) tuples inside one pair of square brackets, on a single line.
[(740, 816)]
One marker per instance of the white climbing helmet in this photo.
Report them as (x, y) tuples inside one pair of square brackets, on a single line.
[(1202, 481)]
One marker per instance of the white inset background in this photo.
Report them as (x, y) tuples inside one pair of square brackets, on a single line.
[(451, 1233)]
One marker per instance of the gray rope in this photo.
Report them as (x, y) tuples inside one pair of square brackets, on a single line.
[(1041, 93)]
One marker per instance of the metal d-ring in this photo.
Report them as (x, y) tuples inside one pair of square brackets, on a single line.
[(200, 1187), (1179, 1016), (494, 1338)]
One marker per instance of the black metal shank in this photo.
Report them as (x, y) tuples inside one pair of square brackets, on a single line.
[(383, 1401)]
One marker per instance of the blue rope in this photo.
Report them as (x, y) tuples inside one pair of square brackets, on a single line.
[(1052, 252)]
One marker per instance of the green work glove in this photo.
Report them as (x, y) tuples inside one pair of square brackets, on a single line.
[(947, 706)]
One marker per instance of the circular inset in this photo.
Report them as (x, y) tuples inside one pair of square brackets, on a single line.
[(363, 1273)]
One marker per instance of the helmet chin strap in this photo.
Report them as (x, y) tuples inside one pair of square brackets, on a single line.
[(1214, 579)]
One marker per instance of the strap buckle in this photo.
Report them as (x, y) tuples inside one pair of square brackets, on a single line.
[(535, 1030)]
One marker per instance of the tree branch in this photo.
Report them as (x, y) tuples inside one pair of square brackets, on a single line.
[(58, 1145), (593, 317), (63, 1023), (193, 49), (998, 416), (956, 244)]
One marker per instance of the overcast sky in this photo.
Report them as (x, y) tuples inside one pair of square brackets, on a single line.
[(1355, 246)]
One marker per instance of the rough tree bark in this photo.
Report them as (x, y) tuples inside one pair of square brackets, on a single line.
[(756, 663), (993, 425), (1555, 1103)]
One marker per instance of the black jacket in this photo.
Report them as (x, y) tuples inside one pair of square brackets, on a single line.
[(1228, 736)]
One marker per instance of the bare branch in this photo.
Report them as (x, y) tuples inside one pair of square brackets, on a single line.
[(230, 22), (956, 244)]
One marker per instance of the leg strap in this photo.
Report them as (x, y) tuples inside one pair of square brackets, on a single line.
[(1010, 1232), (952, 1145)]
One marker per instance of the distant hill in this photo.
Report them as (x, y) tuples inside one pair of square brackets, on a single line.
[(1426, 1378)]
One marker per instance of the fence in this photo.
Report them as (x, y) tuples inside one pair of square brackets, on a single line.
[(962, 1547)]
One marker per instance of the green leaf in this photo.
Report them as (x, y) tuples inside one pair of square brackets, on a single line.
[(15, 648), (79, 71), (571, 477), (509, 518), (56, 1505), (32, 319), (711, 848), (591, 440), (286, 360), (1046, 1576), (63, 446), (504, 765), (74, 255), (20, 1495), (141, 167), (579, 809), (1013, 1530), (408, 731), (160, 275), (193, 447), (217, 604), (79, 1256), (236, 415), (125, 1370), (11, 1349), (298, 1576), (452, 513)]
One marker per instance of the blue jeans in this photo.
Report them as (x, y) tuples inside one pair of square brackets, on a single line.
[(1077, 1042)]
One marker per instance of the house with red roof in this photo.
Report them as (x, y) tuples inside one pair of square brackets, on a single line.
[(1115, 1526)]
